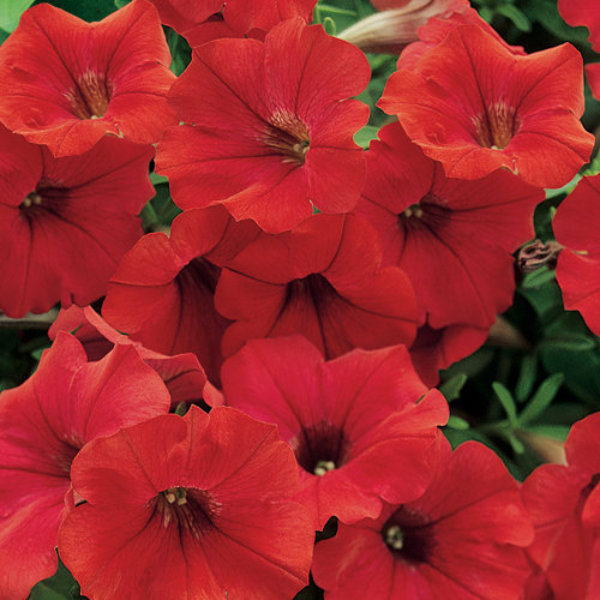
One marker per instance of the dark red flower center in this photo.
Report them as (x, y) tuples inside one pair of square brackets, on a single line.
[(496, 126), (321, 448), (589, 488), (44, 198), (410, 535), (91, 95), (288, 136), (199, 273), (429, 212), (189, 509)]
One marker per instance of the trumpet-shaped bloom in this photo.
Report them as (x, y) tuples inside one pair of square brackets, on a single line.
[(43, 425), (322, 280), (578, 269), (183, 375), (162, 293), (362, 426), (447, 233), (194, 507), (564, 504), (461, 540), (481, 108), (66, 222), (66, 83), (204, 20), (269, 129)]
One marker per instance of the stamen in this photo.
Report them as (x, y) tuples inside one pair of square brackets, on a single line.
[(394, 537), (323, 466)]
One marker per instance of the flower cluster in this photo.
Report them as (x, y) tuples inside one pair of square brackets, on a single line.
[(262, 367)]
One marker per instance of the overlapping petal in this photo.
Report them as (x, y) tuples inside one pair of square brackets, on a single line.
[(162, 292), (269, 127), (207, 515), (446, 233), (578, 269), (43, 425), (481, 108), (361, 426), (66, 222), (461, 540), (66, 83), (323, 280)]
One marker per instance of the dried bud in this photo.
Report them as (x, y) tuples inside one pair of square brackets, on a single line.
[(537, 255), (396, 26)]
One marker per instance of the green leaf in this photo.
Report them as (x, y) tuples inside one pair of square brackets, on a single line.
[(527, 377), (329, 26), (570, 342), (10, 13), (506, 400), (459, 423), (546, 13), (158, 179), (519, 19), (542, 398), (61, 586), (88, 10), (537, 278), (516, 444), (364, 136), (451, 388)]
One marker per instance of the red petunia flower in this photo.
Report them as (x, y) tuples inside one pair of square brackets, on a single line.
[(206, 20), (183, 375), (67, 83), (188, 508), (460, 541), (43, 425), (323, 280), (584, 13), (437, 28), (564, 504), (447, 234), (436, 349), (270, 129), (66, 222), (527, 122), (162, 292), (578, 269), (361, 426)]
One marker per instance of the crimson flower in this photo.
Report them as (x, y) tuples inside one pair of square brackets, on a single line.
[(584, 13), (447, 234), (197, 507), (67, 83), (182, 374), (66, 222), (204, 20), (578, 269), (461, 540), (436, 349), (361, 426), (323, 280), (162, 292), (564, 504), (438, 27), (527, 122), (270, 129), (43, 424)]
